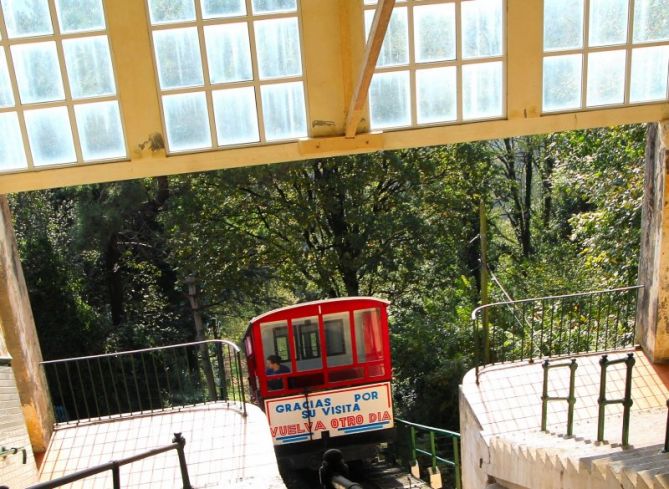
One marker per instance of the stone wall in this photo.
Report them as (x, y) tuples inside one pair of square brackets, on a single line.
[(13, 434)]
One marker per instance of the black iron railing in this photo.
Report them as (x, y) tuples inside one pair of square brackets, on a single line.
[(147, 380), (178, 444), (557, 325)]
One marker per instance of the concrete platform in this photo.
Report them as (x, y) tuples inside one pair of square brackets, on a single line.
[(223, 449), (502, 441)]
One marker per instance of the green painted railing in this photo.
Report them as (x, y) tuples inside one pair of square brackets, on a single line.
[(571, 398), (432, 451)]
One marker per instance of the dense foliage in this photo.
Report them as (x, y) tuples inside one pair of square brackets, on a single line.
[(106, 264)]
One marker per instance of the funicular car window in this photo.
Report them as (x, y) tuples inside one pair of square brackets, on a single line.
[(368, 336), (281, 343), (307, 343), (275, 343), (340, 348)]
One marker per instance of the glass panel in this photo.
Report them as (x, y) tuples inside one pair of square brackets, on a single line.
[(649, 74), (481, 28), (436, 95), (228, 52), (50, 136), (606, 78), (178, 58), (222, 8), (266, 6), (307, 344), (6, 94), (236, 116), (562, 82), (651, 20), (276, 351), (37, 72), (482, 90), (338, 339), (434, 32), (166, 11), (563, 24), (100, 131), (89, 67), (12, 156), (186, 121), (80, 15), (283, 111), (275, 340), (27, 17), (389, 98), (368, 335), (278, 48), (395, 48), (608, 22)]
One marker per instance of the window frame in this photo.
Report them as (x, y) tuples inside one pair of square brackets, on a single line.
[(68, 101), (458, 62), (586, 50), (249, 18)]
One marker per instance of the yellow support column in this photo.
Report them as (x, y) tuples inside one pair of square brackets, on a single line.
[(18, 327), (653, 299)]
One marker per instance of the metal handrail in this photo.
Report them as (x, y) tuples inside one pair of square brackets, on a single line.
[(552, 297), (626, 400), (146, 380), (432, 453), (178, 444), (539, 327), (571, 398), (141, 350)]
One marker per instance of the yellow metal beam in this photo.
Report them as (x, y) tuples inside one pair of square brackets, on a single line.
[(159, 164), (377, 33)]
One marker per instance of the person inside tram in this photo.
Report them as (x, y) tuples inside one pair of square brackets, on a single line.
[(275, 367)]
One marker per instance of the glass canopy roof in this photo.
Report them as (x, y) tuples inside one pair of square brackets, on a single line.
[(231, 75)]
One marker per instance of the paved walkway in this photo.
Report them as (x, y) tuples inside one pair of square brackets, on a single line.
[(508, 398), (223, 449)]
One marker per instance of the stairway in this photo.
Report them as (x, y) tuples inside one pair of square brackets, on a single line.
[(537, 460)]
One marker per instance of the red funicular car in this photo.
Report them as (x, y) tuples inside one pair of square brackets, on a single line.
[(321, 371)]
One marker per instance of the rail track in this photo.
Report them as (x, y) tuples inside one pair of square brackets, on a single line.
[(376, 475)]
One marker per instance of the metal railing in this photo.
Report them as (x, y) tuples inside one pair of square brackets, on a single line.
[(555, 325), (178, 444), (571, 398), (626, 400), (145, 381), (434, 451)]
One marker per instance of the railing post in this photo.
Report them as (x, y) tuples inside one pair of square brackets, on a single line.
[(412, 444), (433, 450), (603, 363), (666, 433), (572, 398), (544, 396), (627, 400), (456, 461), (116, 476), (241, 382), (178, 439)]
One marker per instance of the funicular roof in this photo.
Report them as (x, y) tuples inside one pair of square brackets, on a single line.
[(121, 89)]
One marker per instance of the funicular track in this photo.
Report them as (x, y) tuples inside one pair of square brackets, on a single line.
[(370, 475)]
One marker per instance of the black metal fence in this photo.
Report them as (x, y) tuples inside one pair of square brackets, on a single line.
[(147, 380), (557, 325), (178, 444)]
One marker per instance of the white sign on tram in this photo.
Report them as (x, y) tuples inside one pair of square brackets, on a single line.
[(341, 412)]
